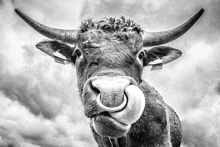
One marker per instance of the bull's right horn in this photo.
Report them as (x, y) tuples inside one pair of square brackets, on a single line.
[(68, 36), (158, 38)]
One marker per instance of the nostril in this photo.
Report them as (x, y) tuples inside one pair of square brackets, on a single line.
[(94, 89)]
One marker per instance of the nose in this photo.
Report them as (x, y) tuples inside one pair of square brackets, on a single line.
[(109, 92)]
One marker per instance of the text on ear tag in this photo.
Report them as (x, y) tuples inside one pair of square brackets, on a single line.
[(157, 67)]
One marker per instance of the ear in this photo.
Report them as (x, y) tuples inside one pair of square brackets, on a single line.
[(160, 55), (60, 51)]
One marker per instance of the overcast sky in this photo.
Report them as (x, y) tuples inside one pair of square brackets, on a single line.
[(39, 102)]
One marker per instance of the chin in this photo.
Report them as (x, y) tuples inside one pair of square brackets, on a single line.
[(107, 126)]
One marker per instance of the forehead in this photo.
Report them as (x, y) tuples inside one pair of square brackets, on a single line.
[(112, 51), (111, 25), (121, 33)]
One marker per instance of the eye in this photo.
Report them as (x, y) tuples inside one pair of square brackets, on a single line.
[(78, 53), (141, 55)]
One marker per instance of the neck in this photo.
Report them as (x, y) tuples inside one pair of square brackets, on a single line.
[(114, 142), (119, 142)]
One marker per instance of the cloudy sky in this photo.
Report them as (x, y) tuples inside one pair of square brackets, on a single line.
[(39, 103)]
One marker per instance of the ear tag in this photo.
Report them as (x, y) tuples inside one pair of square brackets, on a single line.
[(157, 67), (158, 61), (59, 58), (58, 54), (156, 64)]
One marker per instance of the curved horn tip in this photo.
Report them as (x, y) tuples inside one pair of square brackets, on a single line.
[(18, 11), (200, 12), (68, 36), (158, 38)]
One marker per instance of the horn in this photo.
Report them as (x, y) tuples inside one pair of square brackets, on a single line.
[(158, 38), (68, 36)]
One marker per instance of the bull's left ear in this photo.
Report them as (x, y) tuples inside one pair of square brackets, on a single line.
[(61, 52), (160, 55)]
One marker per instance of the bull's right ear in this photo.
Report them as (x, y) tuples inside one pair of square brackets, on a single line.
[(60, 51), (160, 55)]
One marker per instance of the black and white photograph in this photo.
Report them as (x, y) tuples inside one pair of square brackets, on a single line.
[(109, 73)]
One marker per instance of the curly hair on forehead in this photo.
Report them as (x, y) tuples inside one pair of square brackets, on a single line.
[(111, 25)]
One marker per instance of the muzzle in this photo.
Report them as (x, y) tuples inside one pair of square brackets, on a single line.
[(119, 97)]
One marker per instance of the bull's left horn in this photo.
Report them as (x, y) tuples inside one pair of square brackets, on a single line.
[(68, 36), (157, 38)]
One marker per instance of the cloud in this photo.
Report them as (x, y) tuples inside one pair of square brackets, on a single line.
[(39, 103), (39, 106), (18, 126)]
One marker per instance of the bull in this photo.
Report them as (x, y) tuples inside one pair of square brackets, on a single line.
[(109, 56)]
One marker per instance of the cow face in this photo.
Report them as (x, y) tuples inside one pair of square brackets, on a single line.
[(109, 67), (109, 58)]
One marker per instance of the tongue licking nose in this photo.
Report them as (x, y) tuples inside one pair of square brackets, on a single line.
[(120, 97)]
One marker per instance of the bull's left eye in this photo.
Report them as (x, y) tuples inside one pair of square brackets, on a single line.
[(141, 55), (78, 53)]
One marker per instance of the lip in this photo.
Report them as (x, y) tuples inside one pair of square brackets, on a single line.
[(107, 116), (105, 125)]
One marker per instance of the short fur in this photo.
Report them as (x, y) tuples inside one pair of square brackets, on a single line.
[(115, 45), (111, 25)]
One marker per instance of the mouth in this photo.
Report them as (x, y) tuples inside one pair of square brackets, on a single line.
[(107, 126)]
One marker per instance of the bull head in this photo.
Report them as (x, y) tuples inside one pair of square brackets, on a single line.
[(109, 58)]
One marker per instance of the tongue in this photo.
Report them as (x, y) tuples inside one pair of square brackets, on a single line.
[(135, 106)]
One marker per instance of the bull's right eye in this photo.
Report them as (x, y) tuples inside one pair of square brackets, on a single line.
[(141, 55), (78, 53)]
